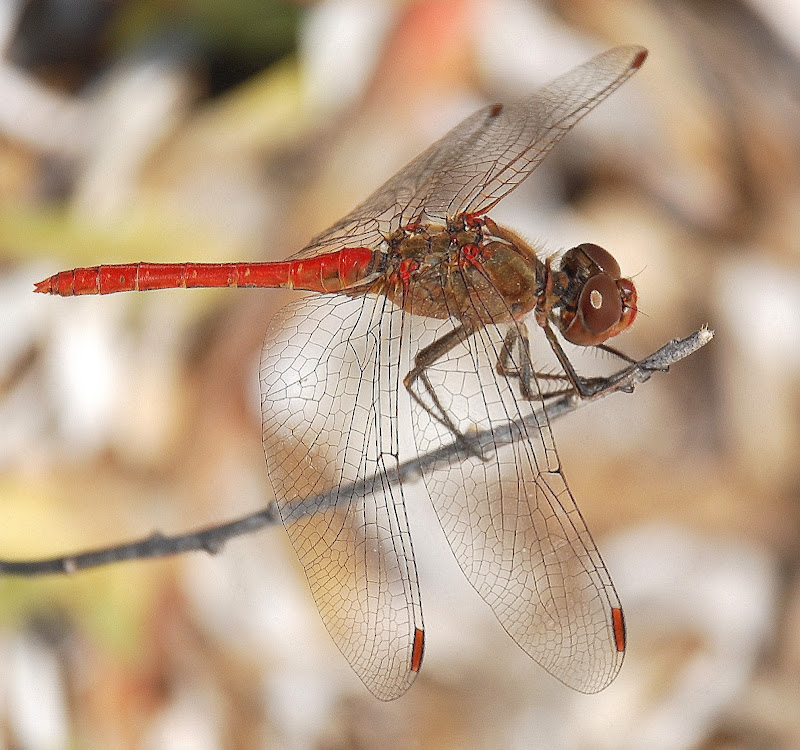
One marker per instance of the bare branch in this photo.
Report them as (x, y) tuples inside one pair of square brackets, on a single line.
[(213, 538)]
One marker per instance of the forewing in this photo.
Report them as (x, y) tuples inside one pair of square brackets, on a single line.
[(483, 158), (329, 377), (516, 137), (511, 520)]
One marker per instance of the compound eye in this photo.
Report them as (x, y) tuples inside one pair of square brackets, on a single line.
[(599, 310), (601, 305), (603, 259)]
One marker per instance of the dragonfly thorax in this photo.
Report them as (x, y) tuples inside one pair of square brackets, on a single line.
[(469, 269)]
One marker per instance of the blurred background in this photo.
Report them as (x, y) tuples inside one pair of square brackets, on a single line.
[(211, 131)]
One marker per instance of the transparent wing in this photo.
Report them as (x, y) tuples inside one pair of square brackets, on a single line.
[(510, 518), (329, 378), (483, 158)]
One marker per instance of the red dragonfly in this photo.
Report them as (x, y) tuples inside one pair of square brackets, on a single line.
[(422, 306)]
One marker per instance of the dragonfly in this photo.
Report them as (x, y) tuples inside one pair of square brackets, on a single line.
[(422, 313)]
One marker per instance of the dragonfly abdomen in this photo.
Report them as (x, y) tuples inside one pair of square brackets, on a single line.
[(330, 272)]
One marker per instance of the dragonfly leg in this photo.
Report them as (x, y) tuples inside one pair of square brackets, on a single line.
[(507, 367), (587, 388), (519, 366), (617, 353), (422, 361)]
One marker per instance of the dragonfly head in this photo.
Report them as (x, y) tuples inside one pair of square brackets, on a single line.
[(600, 303)]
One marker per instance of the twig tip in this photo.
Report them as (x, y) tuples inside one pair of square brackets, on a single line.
[(705, 334)]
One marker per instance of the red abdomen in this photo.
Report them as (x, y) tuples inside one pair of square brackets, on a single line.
[(329, 272)]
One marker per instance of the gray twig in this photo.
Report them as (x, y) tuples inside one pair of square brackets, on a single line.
[(213, 538)]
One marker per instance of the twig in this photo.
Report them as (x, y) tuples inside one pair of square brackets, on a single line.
[(213, 538)]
